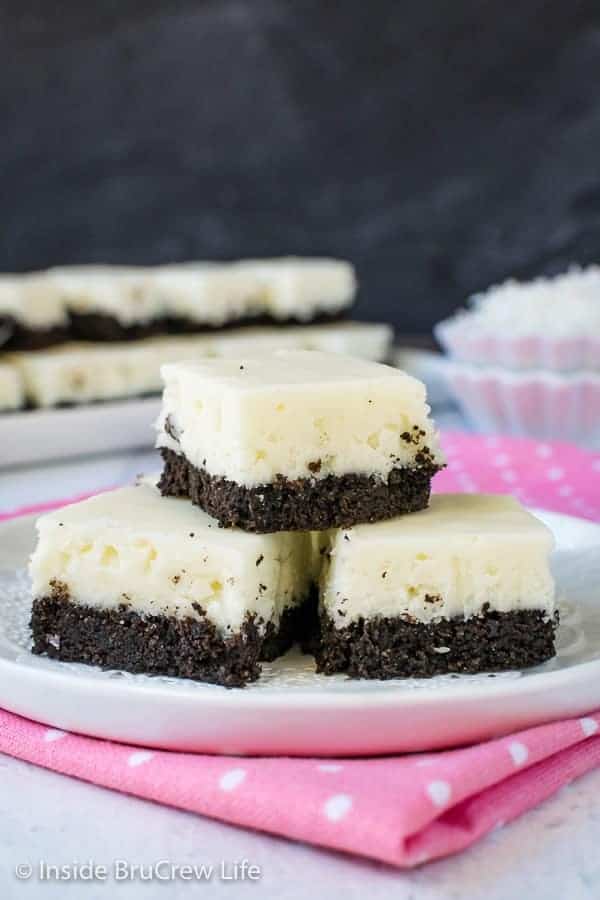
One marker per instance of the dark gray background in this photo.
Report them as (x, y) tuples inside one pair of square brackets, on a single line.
[(440, 145)]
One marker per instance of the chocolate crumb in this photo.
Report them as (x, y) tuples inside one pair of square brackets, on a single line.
[(260, 559), (399, 648), (303, 504)]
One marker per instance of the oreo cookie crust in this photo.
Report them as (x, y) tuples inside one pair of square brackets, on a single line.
[(396, 648), (304, 504), (119, 638), (20, 337), (104, 327)]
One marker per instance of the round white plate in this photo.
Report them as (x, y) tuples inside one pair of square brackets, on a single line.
[(293, 711)]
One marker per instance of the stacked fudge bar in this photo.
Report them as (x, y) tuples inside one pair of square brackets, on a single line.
[(294, 506), (86, 334)]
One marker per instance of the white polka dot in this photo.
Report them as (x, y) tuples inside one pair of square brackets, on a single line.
[(439, 792), (501, 459), (337, 807), (543, 451), (565, 490), (232, 779), (596, 465), (330, 767), (54, 734), (139, 758), (519, 753), (555, 473), (509, 476), (589, 726), (421, 763)]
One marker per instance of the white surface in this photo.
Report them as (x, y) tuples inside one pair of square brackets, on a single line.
[(251, 420), (550, 853), (291, 710), (463, 552), (37, 435), (168, 557)]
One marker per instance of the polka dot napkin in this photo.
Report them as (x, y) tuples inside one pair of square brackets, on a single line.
[(402, 810), (560, 477)]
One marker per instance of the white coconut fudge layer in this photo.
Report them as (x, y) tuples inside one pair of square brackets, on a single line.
[(365, 340), (297, 288), (299, 414), (29, 300), (83, 373), (116, 291), (11, 388), (463, 554), (217, 293), (162, 556)]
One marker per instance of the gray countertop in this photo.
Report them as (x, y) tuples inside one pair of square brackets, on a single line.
[(550, 853)]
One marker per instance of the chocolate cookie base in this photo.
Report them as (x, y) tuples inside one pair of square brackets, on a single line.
[(305, 504), (180, 325), (158, 645), (298, 624), (119, 638), (23, 338), (394, 648), (102, 327)]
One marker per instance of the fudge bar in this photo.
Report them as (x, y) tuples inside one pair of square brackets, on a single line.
[(129, 580), (303, 290), (85, 373), (107, 303), (366, 340), (11, 389), (299, 440), (463, 586), (205, 296), (31, 316)]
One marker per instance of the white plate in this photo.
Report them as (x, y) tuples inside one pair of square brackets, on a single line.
[(44, 434), (293, 711)]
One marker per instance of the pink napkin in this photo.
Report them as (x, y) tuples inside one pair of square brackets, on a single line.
[(402, 810), (560, 477)]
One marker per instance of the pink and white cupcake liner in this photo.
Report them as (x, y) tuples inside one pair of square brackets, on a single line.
[(463, 340), (541, 404)]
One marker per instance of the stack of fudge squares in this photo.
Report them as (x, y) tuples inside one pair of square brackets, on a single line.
[(294, 507), (97, 333)]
